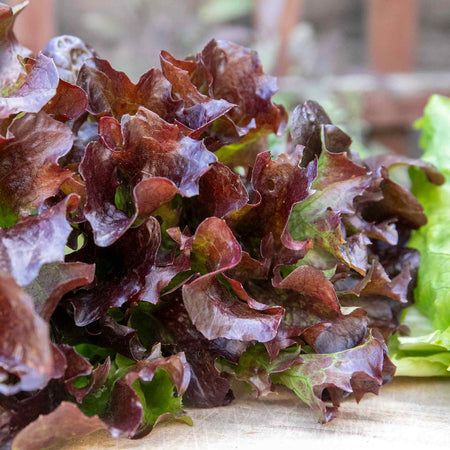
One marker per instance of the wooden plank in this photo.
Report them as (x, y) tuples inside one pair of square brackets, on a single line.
[(392, 26), (408, 413)]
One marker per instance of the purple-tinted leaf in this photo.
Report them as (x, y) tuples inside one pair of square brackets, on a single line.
[(38, 88), (69, 54), (160, 277), (66, 422), (151, 193), (36, 240), (306, 129), (29, 173), (344, 332), (380, 284), (55, 280), (207, 387), (397, 203), (78, 366), (214, 248), (318, 216), (125, 410), (175, 365), (112, 93), (25, 351)]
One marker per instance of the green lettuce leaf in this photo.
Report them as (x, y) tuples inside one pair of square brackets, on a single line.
[(426, 351)]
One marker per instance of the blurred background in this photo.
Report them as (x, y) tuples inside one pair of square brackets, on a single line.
[(372, 64)]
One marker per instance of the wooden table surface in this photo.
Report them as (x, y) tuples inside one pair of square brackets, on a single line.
[(408, 414)]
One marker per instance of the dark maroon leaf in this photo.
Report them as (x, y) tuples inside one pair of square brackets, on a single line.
[(125, 410), (155, 161), (98, 169), (36, 240), (69, 102), (220, 192), (160, 277), (154, 148), (17, 411), (358, 370), (175, 365), (78, 366), (121, 270), (389, 161), (306, 129), (344, 332), (208, 388), (312, 283), (217, 312)]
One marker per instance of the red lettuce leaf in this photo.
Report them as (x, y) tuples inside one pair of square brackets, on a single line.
[(220, 192), (66, 422), (98, 169), (69, 102), (235, 74), (29, 172), (222, 308), (36, 240), (279, 185), (26, 361), (112, 93)]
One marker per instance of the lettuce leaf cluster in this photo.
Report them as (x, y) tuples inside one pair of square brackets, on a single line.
[(152, 249)]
